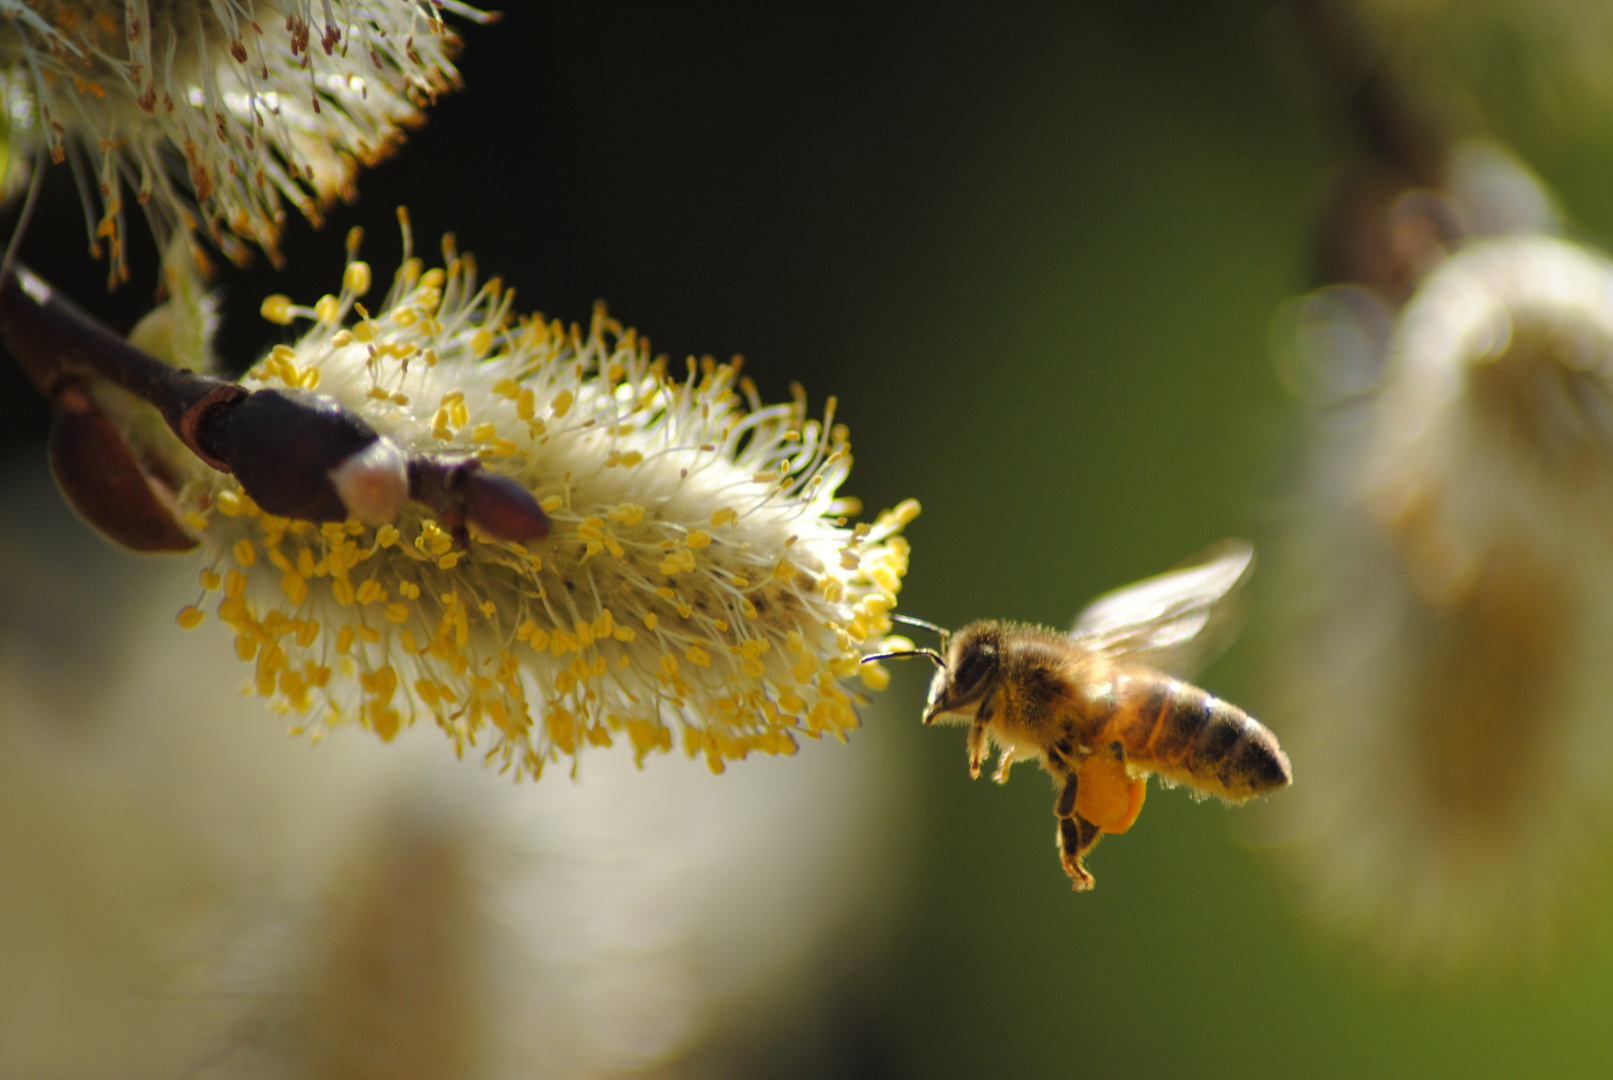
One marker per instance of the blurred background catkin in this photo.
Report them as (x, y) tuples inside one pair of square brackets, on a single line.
[(1039, 252)]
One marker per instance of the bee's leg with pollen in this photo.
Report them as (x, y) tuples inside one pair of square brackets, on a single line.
[(1110, 798), (1135, 794), (1076, 835)]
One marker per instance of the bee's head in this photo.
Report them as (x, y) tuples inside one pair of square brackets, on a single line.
[(966, 665), (973, 659)]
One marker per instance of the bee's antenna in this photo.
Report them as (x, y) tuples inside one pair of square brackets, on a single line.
[(930, 653), (908, 620)]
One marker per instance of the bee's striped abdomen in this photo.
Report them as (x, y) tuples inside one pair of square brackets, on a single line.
[(1191, 736)]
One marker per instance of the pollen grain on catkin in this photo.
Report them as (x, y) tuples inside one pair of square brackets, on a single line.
[(698, 587)]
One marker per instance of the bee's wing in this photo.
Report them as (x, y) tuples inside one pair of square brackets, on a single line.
[(1161, 621)]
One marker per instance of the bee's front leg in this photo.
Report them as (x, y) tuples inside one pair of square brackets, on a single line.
[(978, 747), (1076, 835)]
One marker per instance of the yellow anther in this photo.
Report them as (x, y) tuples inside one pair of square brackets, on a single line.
[(344, 640), (397, 612), (295, 586), (507, 388), (552, 503), (277, 309), (211, 579), (562, 403), (356, 278), (650, 620), (327, 309), (698, 539), (526, 405), (723, 516), (245, 554), (386, 536), (190, 617), (480, 342)]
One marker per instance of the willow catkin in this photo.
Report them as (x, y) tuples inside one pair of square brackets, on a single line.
[(1446, 684)]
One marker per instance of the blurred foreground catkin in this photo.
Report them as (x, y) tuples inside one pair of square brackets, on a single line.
[(187, 893), (1449, 581)]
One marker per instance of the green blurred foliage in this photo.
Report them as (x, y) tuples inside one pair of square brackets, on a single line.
[(1035, 250)]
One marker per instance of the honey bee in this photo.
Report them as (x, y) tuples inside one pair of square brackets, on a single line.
[(1095, 708)]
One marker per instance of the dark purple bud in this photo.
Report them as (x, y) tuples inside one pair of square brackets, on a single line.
[(101, 479), (461, 494), (503, 509), (282, 446)]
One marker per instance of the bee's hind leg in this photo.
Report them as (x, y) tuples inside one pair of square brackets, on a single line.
[(1076, 836)]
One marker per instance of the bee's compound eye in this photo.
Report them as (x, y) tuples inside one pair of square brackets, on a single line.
[(974, 666)]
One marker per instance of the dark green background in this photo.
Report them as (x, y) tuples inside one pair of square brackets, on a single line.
[(1035, 251)]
